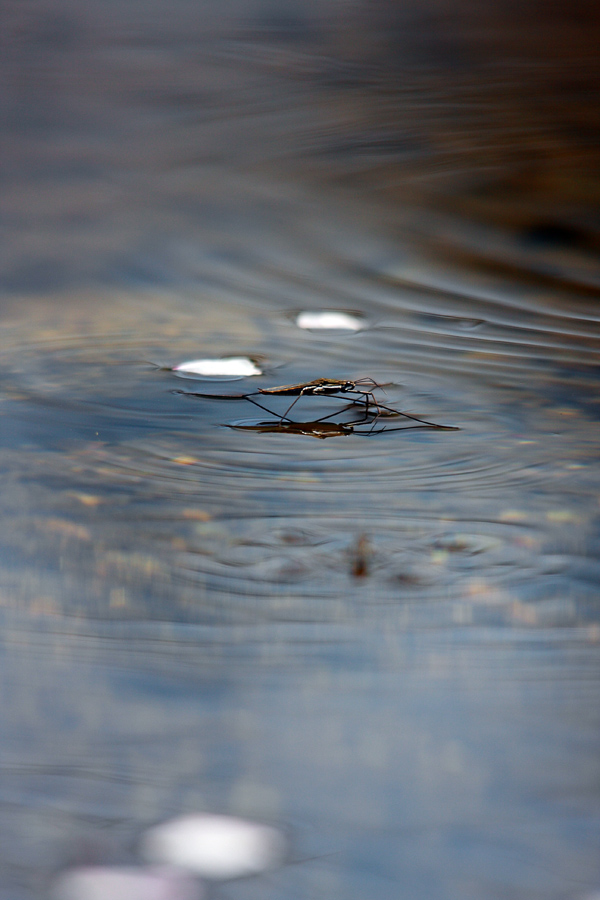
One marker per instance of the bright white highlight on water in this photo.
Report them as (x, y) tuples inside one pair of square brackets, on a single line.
[(125, 883), (215, 846), (328, 321), (229, 367)]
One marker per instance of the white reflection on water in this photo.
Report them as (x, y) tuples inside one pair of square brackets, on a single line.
[(328, 321), (125, 883), (217, 847), (232, 367)]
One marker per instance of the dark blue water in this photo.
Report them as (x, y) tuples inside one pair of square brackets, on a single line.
[(385, 644)]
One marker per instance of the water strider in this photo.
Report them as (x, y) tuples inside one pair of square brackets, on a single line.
[(324, 387), (319, 387)]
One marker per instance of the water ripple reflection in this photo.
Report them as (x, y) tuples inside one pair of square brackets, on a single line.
[(384, 644), (473, 513)]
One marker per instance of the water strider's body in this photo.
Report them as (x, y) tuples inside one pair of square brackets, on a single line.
[(323, 387), (319, 387)]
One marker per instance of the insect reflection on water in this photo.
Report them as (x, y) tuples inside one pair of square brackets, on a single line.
[(322, 429), (315, 429)]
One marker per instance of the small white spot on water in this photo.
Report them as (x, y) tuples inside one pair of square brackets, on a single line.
[(216, 847), (329, 320), (125, 883), (227, 367)]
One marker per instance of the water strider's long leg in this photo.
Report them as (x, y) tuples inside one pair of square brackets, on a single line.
[(410, 428), (425, 422), (230, 397), (266, 409), (380, 406), (309, 392), (211, 396), (306, 393), (339, 411), (292, 404), (368, 398), (341, 396)]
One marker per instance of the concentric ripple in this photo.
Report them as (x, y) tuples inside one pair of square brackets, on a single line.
[(157, 496)]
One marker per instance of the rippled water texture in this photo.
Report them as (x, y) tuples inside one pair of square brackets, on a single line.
[(384, 643)]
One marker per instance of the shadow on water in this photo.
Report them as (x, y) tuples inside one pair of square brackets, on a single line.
[(385, 644)]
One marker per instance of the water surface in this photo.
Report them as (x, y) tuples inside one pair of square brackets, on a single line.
[(386, 645)]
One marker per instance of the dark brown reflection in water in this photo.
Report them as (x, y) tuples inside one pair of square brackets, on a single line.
[(389, 646)]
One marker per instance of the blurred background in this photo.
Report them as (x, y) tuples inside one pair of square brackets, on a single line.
[(387, 645)]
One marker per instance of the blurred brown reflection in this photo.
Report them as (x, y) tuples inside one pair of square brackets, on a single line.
[(119, 123)]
